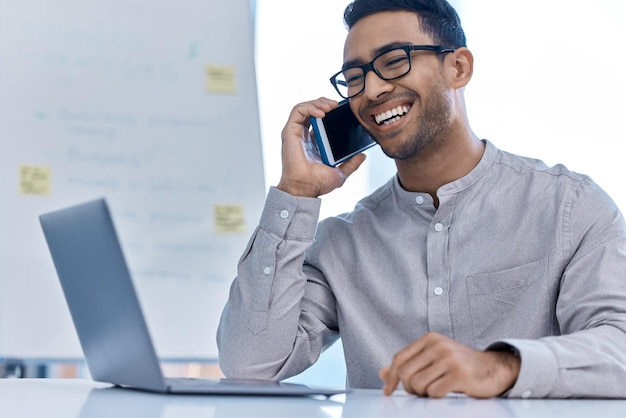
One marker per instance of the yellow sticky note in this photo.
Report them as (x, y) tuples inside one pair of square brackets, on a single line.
[(220, 79), (35, 180), (229, 219)]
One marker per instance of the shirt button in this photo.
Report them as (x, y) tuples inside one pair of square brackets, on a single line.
[(438, 291), (419, 200), (527, 394), (438, 227), (284, 214), (267, 270)]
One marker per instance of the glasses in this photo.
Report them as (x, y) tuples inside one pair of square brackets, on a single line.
[(389, 65)]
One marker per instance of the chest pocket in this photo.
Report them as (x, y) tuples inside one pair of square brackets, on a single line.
[(513, 303)]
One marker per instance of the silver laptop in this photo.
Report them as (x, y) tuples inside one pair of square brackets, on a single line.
[(107, 314)]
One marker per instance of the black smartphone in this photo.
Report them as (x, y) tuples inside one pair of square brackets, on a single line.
[(339, 135)]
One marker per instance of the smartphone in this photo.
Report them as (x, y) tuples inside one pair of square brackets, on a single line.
[(339, 135)]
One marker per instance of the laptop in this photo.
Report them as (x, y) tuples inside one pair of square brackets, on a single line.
[(107, 315)]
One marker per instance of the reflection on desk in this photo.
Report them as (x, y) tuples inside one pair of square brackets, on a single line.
[(76, 398)]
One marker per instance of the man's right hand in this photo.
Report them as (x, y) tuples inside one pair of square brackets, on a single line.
[(304, 174)]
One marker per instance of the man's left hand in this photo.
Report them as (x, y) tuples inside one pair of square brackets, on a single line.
[(435, 365)]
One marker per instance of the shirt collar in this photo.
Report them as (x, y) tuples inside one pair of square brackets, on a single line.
[(485, 163)]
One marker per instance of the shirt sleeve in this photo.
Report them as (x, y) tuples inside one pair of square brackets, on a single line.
[(588, 359), (276, 323)]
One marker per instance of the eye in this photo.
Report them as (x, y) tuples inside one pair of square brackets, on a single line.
[(353, 77), (394, 61)]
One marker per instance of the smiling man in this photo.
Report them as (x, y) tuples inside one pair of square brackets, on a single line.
[(472, 270)]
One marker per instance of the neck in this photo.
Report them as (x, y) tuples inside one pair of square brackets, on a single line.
[(451, 159)]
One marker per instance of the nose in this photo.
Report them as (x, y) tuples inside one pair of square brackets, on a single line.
[(375, 86)]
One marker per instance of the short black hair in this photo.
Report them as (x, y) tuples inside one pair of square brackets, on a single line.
[(437, 17)]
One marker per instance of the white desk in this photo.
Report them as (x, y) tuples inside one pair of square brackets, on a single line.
[(76, 398)]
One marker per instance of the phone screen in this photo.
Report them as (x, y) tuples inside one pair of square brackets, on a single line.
[(344, 135)]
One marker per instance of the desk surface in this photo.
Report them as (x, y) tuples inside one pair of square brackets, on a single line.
[(77, 398)]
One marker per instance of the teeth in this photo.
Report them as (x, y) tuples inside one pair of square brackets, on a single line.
[(391, 116), (388, 121)]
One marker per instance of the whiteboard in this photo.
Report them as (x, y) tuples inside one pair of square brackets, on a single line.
[(151, 104)]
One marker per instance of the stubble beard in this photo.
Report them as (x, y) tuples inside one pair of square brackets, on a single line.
[(433, 123)]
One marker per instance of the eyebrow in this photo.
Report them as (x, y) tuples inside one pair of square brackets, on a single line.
[(376, 52)]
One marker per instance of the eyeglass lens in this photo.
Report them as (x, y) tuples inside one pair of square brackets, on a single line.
[(388, 66)]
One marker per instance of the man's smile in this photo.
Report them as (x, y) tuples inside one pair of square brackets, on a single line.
[(390, 116)]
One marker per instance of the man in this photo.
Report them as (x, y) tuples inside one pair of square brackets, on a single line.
[(473, 270)]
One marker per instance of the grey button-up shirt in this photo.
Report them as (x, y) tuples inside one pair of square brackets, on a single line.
[(517, 254)]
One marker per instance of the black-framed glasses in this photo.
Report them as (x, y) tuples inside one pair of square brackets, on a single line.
[(389, 65)]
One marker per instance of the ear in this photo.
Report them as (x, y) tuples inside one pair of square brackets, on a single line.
[(460, 67)]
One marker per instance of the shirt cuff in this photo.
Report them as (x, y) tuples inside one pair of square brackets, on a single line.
[(290, 216), (538, 369)]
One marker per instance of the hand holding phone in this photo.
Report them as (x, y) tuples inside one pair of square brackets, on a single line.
[(339, 135), (302, 173)]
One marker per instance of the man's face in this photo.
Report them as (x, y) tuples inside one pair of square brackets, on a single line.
[(419, 99)]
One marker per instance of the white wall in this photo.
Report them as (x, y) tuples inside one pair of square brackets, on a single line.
[(549, 82)]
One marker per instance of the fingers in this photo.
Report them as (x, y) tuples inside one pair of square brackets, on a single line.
[(430, 366), (303, 172), (415, 366), (428, 380), (315, 108), (299, 121), (437, 388), (352, 164), (400, 369), (425, 367), (435, 365), (390, 381)]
